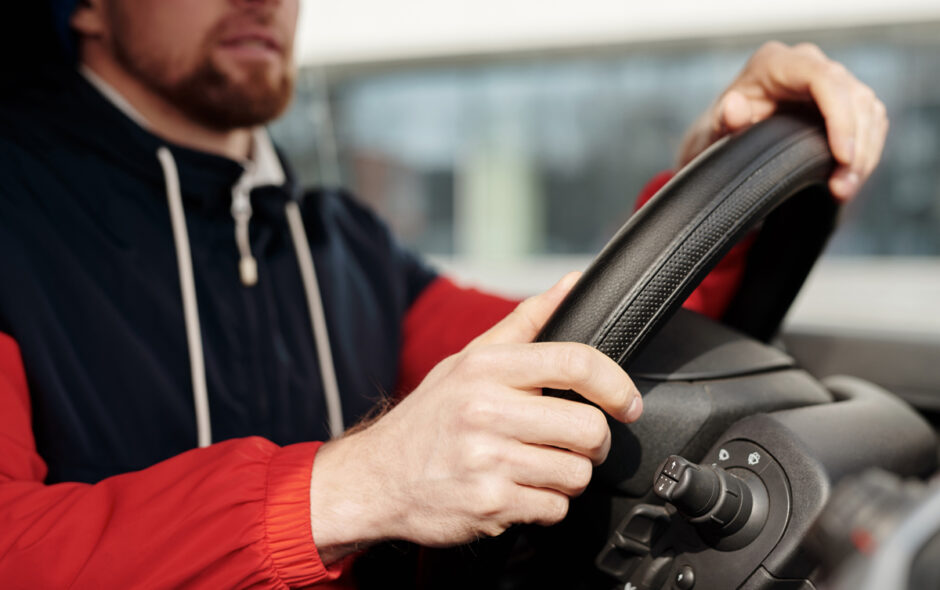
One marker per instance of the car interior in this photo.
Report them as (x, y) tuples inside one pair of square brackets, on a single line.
[(769, 457), (752, 466)]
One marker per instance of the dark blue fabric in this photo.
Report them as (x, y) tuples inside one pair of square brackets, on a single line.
[(61, 15), (89, 288)]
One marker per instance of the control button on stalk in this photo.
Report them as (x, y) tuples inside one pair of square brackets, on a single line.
[(685, 578), (718, 502)]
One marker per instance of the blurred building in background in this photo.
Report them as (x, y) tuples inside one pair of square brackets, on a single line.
[(508, 144)]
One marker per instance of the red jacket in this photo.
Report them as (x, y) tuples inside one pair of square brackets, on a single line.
[(247, 499)]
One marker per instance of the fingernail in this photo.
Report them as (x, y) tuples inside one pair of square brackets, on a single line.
[(635, 409)]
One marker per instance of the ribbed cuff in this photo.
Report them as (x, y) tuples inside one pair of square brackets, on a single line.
[(287, 518)]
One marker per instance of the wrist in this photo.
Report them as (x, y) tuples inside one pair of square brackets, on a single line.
[(350, 503)]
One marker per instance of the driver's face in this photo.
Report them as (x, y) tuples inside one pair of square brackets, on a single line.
[(227, 63)]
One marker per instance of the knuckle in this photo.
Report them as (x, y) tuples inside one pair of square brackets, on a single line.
[(480, 458), (578, 366), (866, 94), (525, 311), (810, 49), (451, 364), (771, 47), (493, 529), (881, 111), (580, 475), (460, 361), (452, 361), (477, 362), (491, 498), (443, 368), (556, 508), (478, 412), (834, 69), (594, 430), (526, 304)]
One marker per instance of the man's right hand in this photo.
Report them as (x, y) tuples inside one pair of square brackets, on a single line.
[(476, 447)]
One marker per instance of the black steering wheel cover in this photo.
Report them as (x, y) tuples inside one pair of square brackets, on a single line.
[(667, 247)]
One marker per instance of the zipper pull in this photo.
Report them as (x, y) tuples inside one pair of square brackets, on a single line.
[(241, 212)]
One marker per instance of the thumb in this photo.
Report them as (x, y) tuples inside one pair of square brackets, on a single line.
[(524, 322)]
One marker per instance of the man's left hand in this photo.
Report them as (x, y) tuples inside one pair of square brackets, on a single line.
[(856, 121)]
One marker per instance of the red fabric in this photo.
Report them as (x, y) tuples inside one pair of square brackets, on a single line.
[(443, 320), (232, 515), (715, 292)]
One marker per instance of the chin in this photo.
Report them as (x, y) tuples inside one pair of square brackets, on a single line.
[(252, 94)]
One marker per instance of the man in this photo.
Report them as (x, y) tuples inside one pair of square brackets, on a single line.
[(157, 258)]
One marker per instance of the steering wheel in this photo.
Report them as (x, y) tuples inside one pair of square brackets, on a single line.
[(664, 251), (716, 377)]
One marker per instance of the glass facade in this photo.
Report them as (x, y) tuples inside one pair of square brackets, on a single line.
[(514, 156)]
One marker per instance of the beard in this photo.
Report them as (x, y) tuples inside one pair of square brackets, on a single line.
[(207, 92), (210, 96)]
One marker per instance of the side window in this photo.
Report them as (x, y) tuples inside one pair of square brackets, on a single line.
[(513, 168)]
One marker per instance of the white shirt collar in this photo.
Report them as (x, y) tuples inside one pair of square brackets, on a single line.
[(262, 168)]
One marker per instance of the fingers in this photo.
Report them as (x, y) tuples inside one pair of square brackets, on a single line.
[(500, 472), (548, 421), (779, 73), (548, 468), (495, 503), (540, 506), (830, 88), (736, 112), (739, 111), (524, 323), (558, 365), (873, 125), (877, 135), (856, 123)]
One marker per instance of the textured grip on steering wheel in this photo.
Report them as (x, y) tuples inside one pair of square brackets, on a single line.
[(664, 251)]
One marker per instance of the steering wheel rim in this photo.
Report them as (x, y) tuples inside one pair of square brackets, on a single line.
[(665, 249)]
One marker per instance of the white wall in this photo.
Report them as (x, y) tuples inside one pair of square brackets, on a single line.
[(349, 31)]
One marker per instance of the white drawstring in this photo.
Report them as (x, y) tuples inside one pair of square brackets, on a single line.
[(321, 337), (184, 261), (249, 277), (241, 212)]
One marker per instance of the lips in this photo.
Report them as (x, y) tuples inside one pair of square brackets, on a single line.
[(252, 39)]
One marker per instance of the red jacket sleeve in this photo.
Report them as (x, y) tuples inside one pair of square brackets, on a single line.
[(445, 317), (232, 515)]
